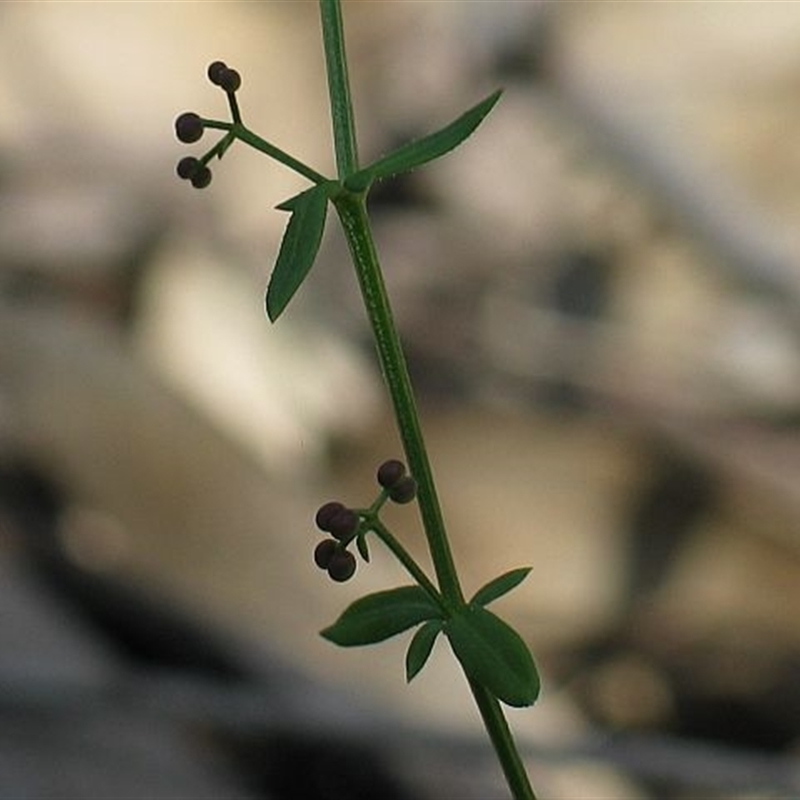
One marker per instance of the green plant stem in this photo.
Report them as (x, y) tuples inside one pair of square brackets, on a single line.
[(407, 560), (244, 134), (503, 741), (353, 214), (352, 210), (344, 127), (247, 136)]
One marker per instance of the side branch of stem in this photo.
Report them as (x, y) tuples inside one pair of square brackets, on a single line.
[(411, 566)]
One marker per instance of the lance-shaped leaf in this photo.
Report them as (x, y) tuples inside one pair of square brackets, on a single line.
[(493, 654), (299, 246), (224, 144), (500, 586), (415, 154), (361, 544), (421, 645), (378, 616)]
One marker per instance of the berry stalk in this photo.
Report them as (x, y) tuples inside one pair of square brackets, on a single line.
[(405, 558)]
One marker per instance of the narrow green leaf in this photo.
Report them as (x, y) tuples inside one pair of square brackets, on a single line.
[(500, 586), (361, 544), (434, 145), (420, 647), (378, 616), (299, 247), (223, 146), (492, 653)]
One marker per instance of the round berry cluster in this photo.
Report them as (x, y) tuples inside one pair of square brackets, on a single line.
[(345, 524), (189, 127), (400, 487), (332, 554), (220, 74), (194, 170)]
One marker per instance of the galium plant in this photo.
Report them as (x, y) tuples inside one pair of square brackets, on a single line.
[(497, 663)]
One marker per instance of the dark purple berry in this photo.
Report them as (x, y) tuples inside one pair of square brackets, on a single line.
[(326, 513), (343, 524), (201, 177), (404, 491), (324, 551), (229, 79), (187, 167), (390, 472), (215, 69), (342, 565), (188, 127)]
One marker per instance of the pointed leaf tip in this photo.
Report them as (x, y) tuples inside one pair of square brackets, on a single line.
[(500, 586), (381, 615), (434, 145), (421, 646), (493, 654), (299, 246)]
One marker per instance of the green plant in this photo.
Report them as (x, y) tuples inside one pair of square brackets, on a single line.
[(495, 660)]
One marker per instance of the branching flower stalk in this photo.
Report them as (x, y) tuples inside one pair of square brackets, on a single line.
[(495, 660)]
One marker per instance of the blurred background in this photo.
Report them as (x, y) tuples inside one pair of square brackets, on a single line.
[(599, 296)]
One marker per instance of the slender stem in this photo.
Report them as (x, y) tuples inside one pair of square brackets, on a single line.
[(248, 137), (353, 214), (352, 210), (244, 134), (407, 560), (344, 127), (233, 104), (503, 741)]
